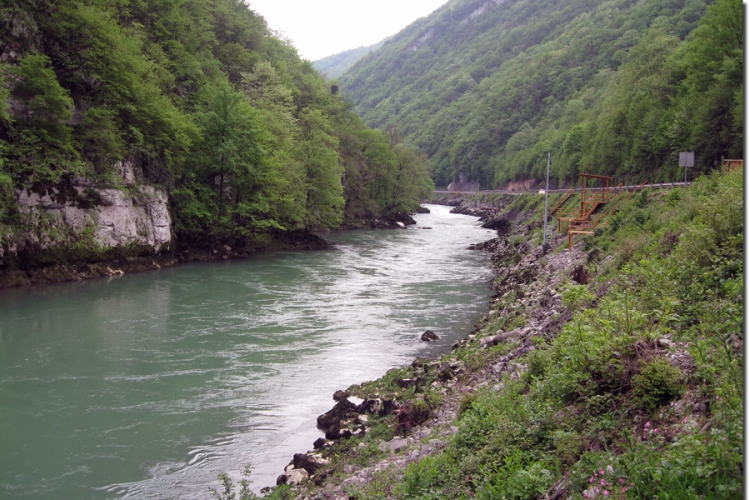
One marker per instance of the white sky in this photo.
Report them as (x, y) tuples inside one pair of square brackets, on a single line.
[(320, 28)]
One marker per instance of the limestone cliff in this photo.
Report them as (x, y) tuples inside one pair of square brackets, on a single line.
[(78, 214)]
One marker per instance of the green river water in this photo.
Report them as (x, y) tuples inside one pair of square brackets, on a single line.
[(148, 385)]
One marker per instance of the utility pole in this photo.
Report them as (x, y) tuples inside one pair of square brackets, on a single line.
[(546, 199)]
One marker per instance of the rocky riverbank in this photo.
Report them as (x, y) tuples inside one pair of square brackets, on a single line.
[(29, 269), (411, 412), (610, 371), (76, 232)]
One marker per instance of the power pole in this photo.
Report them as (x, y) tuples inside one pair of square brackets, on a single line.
[(546, 199)]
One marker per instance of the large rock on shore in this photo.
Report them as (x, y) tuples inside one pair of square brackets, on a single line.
[(292, 476), (502, 226), (332, 419), (310, 462)]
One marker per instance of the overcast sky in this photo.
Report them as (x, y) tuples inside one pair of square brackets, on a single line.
[(320, 28)]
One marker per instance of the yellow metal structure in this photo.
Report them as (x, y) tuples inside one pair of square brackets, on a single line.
[(580, 221)]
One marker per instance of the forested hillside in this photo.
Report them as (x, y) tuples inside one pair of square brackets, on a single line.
[(202, 100), (334, 66), (486, 87)]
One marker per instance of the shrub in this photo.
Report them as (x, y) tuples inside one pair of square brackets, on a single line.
[(467, 401), (658, 382)]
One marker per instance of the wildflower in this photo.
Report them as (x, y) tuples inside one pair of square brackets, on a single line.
[(606, 493)]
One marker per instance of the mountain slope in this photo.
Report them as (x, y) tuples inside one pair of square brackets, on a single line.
[(485, 88), (196, 97), (336, 65)]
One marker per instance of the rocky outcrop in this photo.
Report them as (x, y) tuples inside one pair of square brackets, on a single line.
[(521, 186), (292, 476), (76, 213), (120, 218), (394, 221)]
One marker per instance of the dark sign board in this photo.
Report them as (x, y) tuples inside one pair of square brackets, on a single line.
[(687, 159)]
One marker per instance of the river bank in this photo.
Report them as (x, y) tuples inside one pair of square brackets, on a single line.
[(582, 378), (34, 268), (410, 413)]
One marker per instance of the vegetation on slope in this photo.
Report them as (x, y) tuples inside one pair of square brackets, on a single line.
[(637, 392), (485, 88), (334, 66), (204, 102), (641, 394)]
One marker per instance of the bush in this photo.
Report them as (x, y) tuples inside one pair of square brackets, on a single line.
[(658, 383)]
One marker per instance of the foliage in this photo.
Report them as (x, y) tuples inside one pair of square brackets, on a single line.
[(614, 88), (657, 383), (229, 492), (203, 101)]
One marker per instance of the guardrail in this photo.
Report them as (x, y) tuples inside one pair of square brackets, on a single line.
[(664, 185)]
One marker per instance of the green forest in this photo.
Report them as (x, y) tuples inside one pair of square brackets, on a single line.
[(203, 100), (618, 87), (336, 65)]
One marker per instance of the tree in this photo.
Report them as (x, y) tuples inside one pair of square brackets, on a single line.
[(42, 149), (232, 160), (317, 152)]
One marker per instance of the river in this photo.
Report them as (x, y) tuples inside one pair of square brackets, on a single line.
[(149, 385)]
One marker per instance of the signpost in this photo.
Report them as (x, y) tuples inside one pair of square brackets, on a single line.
[(687, 159), (546, 199)]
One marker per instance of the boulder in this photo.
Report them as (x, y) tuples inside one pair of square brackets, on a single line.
[(370, 406), (581, 275), (394, 445), (343, 410), (496, 339), (429, 336), (319, 443), (502, 226), (340, 395), (404, 382), (310, 462), (292, 476)]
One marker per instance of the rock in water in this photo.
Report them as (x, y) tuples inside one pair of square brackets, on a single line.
[(429, 336)]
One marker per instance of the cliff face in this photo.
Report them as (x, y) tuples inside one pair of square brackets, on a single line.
[(77, 214)]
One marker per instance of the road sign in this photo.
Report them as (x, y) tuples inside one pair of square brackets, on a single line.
[(687, 159)]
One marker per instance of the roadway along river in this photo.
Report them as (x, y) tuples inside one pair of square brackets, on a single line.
[(147, 386)]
